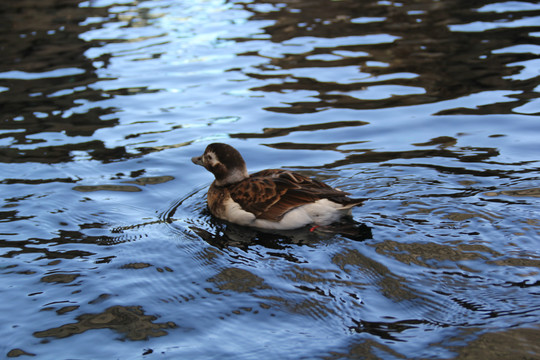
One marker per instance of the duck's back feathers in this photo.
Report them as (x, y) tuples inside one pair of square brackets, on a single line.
[(270, 194)]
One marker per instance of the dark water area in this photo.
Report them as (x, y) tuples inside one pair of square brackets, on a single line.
[(429, 109)]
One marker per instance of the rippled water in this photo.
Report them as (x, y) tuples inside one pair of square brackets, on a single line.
[(428, 108)]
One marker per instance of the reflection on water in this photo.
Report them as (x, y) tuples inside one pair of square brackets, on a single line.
[(399, 54), (49, 106), (429, 109), (130, 321)]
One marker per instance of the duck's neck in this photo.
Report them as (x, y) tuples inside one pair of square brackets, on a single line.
[(234, 176)]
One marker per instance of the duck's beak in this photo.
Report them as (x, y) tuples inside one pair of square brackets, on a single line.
[(197, 160)]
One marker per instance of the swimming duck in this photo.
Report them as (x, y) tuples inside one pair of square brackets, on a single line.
[(268, 199)]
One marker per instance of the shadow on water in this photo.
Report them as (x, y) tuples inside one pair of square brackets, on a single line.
[(222, 234)]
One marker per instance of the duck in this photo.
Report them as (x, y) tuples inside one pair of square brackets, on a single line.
[(269, 199)]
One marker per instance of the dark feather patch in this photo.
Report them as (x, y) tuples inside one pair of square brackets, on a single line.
[(269, 194)]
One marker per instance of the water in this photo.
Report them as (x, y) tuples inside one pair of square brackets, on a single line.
[(430, 109)]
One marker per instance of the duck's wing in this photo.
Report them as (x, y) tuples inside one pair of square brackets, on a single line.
[(269, 194)]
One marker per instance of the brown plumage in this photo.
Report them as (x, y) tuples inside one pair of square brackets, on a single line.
[(273, 198)]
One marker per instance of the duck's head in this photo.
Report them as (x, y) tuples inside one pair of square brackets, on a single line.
[(225, 162)]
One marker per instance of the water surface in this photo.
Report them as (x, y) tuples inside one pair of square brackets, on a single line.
[(429, 109)]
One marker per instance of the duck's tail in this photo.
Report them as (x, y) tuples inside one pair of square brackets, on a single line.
[(348, 203)]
